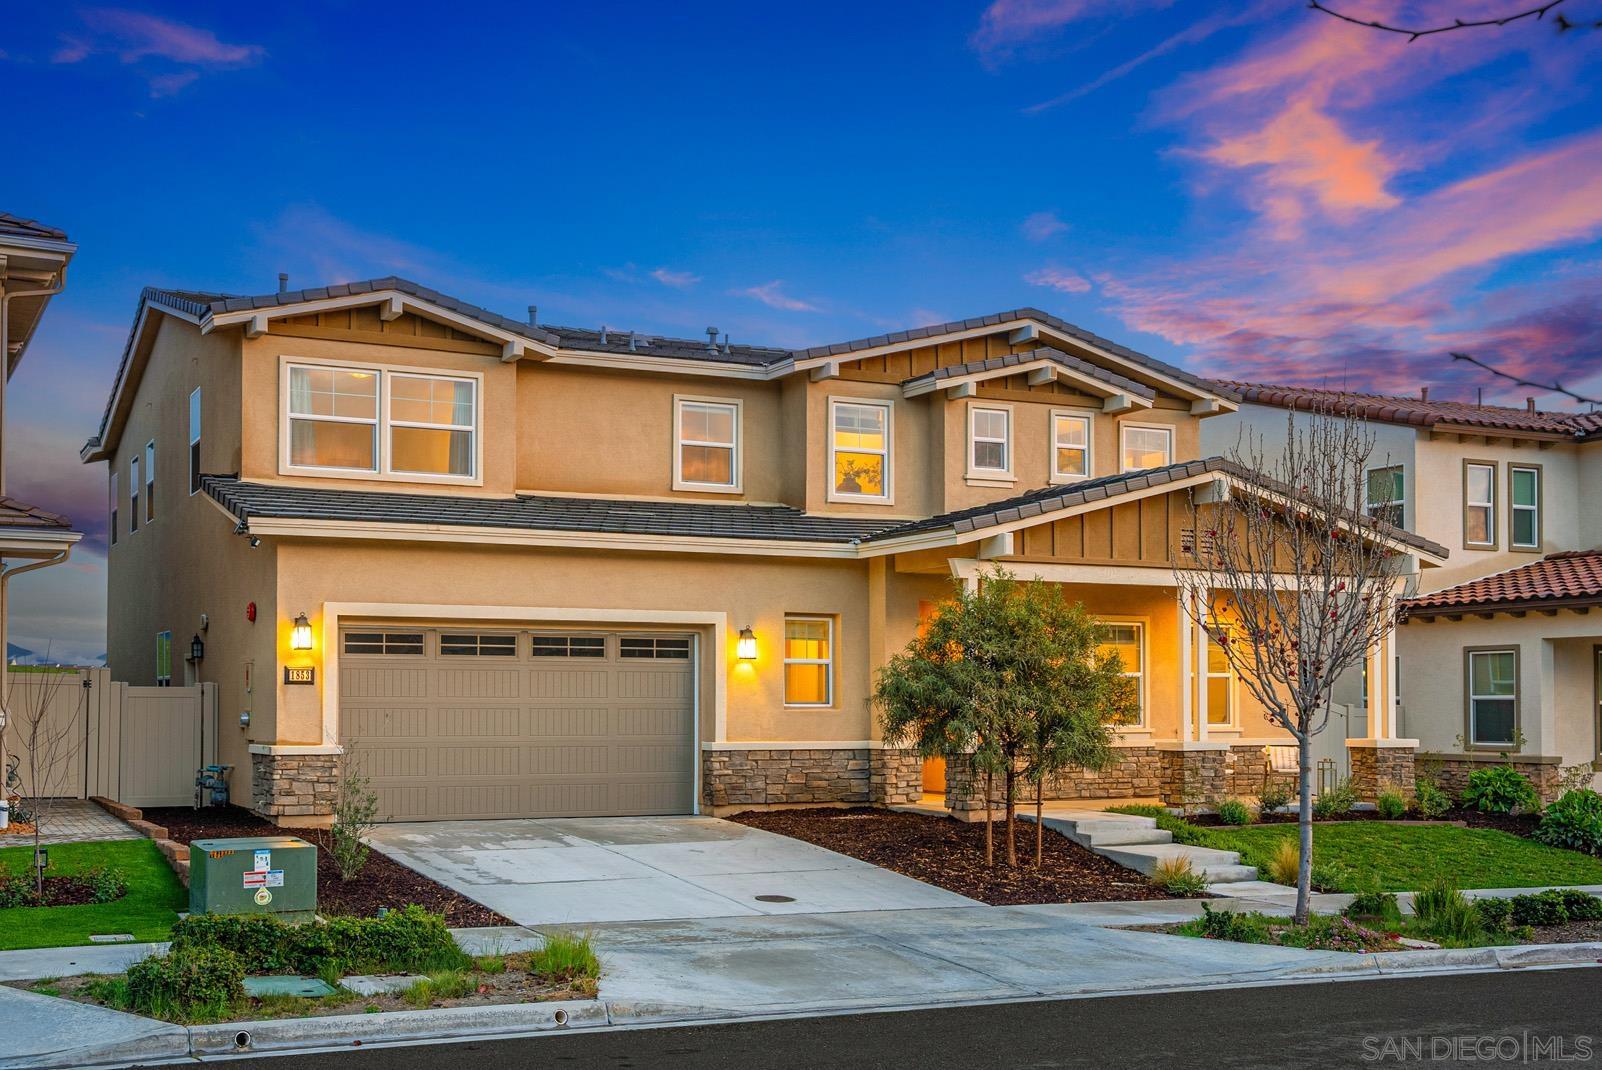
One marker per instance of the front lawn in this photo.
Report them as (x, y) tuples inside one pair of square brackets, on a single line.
[(1398, 858), (147, 911)]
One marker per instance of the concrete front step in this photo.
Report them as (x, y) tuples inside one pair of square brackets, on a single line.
[(1219, 866), (1137, 843), (1095, 834)]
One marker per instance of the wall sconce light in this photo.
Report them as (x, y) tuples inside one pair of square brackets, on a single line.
[(197, 649), (300, 636), (745, 649)]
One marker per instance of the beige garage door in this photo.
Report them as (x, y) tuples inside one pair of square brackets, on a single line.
[(465, 722)]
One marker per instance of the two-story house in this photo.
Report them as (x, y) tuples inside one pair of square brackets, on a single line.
[(530, 570), (1500, 653)]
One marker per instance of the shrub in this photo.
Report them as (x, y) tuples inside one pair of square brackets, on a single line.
[(1275, 794), (1334, 934), (1338, 800), (106, 885), (1229, 925), (1391, 805), (190, 984), (1429, 798), (1574, 822), (1374, 904), (1495, 914), (16, 888), (1446, 913), (1332, 877), (1582, 906), (409, 940), (1284, 866), (1234, 812), (1176, 876), (1543, 908), (355, 814), (1500, 789)]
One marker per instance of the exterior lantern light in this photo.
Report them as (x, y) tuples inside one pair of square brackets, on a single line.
[(745, 649), (300, 637), (197, 649)]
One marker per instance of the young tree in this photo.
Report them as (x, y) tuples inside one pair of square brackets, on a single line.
[(1008, 673), (1294, 581)]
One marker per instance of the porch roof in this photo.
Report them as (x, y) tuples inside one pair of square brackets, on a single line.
[(1569, 578)]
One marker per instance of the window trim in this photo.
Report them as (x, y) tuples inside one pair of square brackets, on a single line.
[(1125, 427), (111, 521), (133, 491), (382, 472), (1090, 444), (1513, 509), (164, 637), (194, 441), (150, 482), (1469, 743), (829, 663), (1143, 625), (736, 446), (991, 475), (889, 496), (1401, 503), (1493, 524)]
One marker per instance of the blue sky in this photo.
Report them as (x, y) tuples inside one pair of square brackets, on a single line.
[(1251, 189)]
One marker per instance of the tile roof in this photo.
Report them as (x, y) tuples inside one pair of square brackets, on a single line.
[(1417, 411), (1573, 577), (15, 514), (1056, 356), (247, 501), (29, 228)]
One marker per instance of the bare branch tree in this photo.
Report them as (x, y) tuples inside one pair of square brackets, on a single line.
[(1554, 387), (1414, 33), (40, 732), (1293, 581)]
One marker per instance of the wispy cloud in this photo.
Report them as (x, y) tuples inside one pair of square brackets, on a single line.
[(137, 38), (1042, 225), (679, 280), (1007, 24), (772, 295), (1059, 279)]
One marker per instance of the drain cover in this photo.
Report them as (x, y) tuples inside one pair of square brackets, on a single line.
[(775, 899)]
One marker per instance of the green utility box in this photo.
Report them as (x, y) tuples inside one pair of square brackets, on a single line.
[(274, 875)]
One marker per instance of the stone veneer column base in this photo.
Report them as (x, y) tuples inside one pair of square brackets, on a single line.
[(294, 790), (965, 790), (1193, 774), (1451, 771), (735, 777), (896, 776), (1381, 765)]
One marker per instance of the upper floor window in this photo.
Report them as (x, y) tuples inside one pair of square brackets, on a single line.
[(1127, 639), (133, 494), (1147, 447), (194, 440), (708, 451), (1385, 494), (1524, 505), (1070, 446), (1479, 504), (859, 450), (384, 422), (150, 481), (111, 520), (989, 441)]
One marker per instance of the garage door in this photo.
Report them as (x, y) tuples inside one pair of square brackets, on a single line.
[(462, 722)]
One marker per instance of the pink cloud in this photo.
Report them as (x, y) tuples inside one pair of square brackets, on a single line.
[(772, 295), (135, 35), (1042, 225), (1059, 279), (679, 280), (165, 85)]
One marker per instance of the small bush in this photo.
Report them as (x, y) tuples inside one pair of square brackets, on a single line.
[(1234, 812), (567, 960), (1430, 800), (1582, 906), (1573, 822), (1374, 904), (16, 888), (1275, 794), (1495, 914), (1176, 876), (1338, 800), (1284, 866), (1391, 805), (1333, 934), (409, 940), (355, 814), (1447, 914), (1555, 906), (1332, 877), (1500, 789), (192, 984), (1229, 925), (106, 885)]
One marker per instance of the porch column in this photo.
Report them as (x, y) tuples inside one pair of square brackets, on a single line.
[(1382, 687), (1198, 680), (1382, 762), (1187, 650)]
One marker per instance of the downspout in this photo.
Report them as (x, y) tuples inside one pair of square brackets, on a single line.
[(5, 378)]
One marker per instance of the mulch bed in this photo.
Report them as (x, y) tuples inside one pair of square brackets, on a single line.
[(64, 892), (951, 854), (383, 882), (1518, 824), (1573, 932)]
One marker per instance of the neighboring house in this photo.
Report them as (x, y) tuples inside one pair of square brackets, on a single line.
[(1500, 652), (33, 269), (535, 570)]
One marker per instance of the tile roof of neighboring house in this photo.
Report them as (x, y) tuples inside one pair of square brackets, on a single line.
[(15, 514), (1573, 577), (537, 513), (29, 228), (1013, 360), (1417, 412)]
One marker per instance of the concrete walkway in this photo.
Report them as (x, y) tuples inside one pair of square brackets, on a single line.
[(73, 821), (40, 1030)]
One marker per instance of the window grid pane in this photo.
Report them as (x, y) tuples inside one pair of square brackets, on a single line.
[(1147, 447), (1071, 445), (569, 646), (455, 644), (384, 643), (808, 661), (859, 439), (1126, 639), (653, 647)]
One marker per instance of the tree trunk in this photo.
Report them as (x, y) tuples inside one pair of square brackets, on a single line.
[(990, 831), (1040, 824), (1009, 782), (1304, 871)]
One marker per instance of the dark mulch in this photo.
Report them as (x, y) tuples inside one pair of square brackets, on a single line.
[(1573, 932), (63, 892), (951, 854), (1518, 824), (383, 882)]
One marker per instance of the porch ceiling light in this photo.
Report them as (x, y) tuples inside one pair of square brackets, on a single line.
[(745, 649), (300, 636)]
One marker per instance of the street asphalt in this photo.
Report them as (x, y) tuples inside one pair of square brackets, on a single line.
[(1510, 1017)]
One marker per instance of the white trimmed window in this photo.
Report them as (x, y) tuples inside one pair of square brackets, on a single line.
[(432, 424), (1386, 495), (1219, 681), (150, 481), (1493, 697), (390, 423), (989, 442), (333, 418), (859, 451), (707, 456), (1479, 505), (1524, 507), (808, 661), (164, 659), (1127, 639), (194, 440), (111, 520), (1146, 447), (1070, 447), (133, 494)]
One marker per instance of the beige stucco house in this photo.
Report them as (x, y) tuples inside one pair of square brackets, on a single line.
[(1500, 652), (521, 569)]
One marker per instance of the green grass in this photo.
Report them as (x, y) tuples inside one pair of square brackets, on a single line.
[(148, 911)]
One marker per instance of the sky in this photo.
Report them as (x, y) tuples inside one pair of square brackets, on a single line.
[(1253, 190)]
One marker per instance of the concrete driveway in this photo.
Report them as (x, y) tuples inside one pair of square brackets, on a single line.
[(598, 869)]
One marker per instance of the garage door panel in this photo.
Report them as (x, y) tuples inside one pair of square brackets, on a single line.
[(669, 723), (385, 722), (646, 684), (577, 722), (565, 682), (478, 761), (393, 761), (360, 681), (477, 683), (660, 758)]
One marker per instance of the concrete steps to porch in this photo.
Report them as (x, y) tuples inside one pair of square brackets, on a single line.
[(1138, 844)]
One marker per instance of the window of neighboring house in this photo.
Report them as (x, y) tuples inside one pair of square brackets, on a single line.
[(150, 482), (1220, 679), (163, 659), (859, 451), (1386, 494), (1493, 688), (1147, 447), (1128, 640), (1479, 504), (432, 424), (1070, 447), (111, 520), (989, 442), (808, 661), (194, 440), (133, 494), (708, 455), (1524, 507)]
